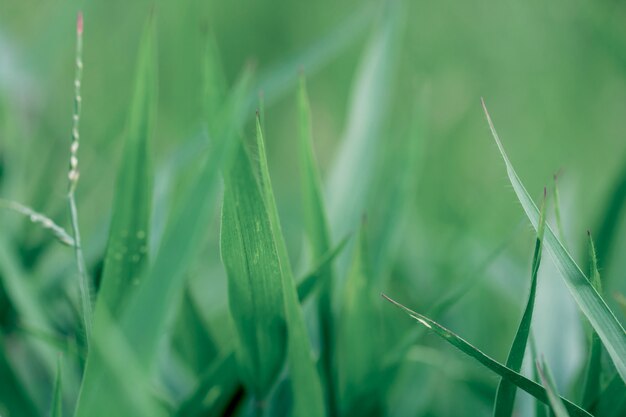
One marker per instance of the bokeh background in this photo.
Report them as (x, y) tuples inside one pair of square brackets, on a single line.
[(553, 75)]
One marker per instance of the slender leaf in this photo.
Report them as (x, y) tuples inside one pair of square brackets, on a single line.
[(510, 375), (318, 237), (590, 302), (505, 393), (593, 375), (308, 399), (56, 410), (541, 409), (558, 408), (255, 290)]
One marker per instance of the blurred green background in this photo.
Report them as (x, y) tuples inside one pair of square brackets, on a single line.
[(553, 75)]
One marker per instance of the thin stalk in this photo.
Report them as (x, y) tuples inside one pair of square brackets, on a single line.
[(83, 279), (40, 219)]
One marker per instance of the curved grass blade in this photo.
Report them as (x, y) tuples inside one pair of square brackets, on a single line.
[(593, 375), (318, 273), (505, 393), (510, 375), (556, 404), (318, 236), (57, 393), (308, 399), (590, 302)]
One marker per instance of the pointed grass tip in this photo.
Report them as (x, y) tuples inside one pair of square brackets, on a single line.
[(79, 23)]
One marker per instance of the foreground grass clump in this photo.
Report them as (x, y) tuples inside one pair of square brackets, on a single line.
[(200, 302)]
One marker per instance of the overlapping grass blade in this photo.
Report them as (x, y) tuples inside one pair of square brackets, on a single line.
[(557, 209), (127, 248), (556, 404), (510, 375), (318, 273), (612, 400), (505, 393), (318, 236), (220, 382), (255, 290), (541, 409), (356, 160), (591, 304), (358, 365), (56, 409), (126, 255), (593, 374), (306, 387), (13, 395)]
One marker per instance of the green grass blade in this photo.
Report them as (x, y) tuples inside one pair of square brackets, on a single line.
[(56, 410), (556, 404), (147, 315), (505, 393), (591, 304), (510, 375), (318, 273), (349, 182), (541, 410), (593, 374), (318, 236), (306, 386), (255, 290), (127, 249), (557, 209), (14, 397), (358, 364), (612, 400)]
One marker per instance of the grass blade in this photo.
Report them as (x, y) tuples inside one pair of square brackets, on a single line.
[(591, 304), (541, 410), (127, 249), (593, 375), (558, 408), (510, 375), (306, 386), (13, 395), (505, 393), (57, 393), (318, 236), (255, 290)]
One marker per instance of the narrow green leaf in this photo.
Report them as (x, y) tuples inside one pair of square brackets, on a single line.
[(127, 248), (591, 304), (13, 395), (593, 374), (357, 364), (510, 375), (317, 274), (612, 399), (219, 383), (56, 410), (505, 393), (557, 209), (541, 409), (318, 237), (308, 399), (255, 290), (556, 404)]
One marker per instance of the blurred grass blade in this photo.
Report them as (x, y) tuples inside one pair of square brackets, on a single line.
[(541, 409), (593, 374), (308, 399), (557, 210), (127, 249), (505, 393), (255, 290), (591, 304), (56, 409), (219, 383), (612, 399), (358, 364), (510, 375), (147, 315), (556, 404), (318, 237), (354, 167), (318, 272), (14, 397)]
